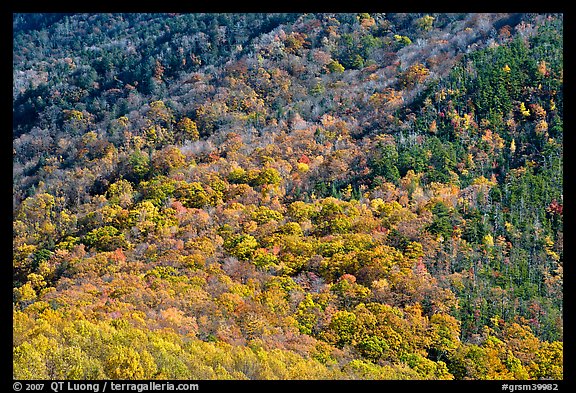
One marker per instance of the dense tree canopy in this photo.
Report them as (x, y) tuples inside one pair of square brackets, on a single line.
[(288, 196)]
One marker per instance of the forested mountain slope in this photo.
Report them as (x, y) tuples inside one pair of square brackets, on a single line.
[(288, 196)]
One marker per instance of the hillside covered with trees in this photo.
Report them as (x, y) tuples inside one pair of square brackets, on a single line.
[(288, 196)]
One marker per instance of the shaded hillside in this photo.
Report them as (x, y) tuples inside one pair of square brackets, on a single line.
[(288, 196)]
